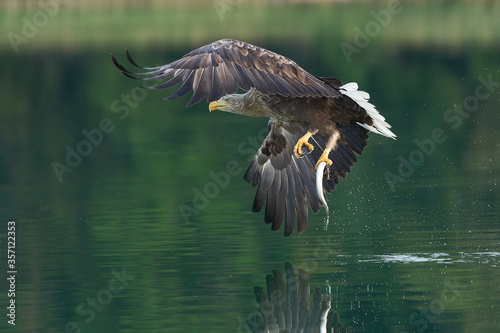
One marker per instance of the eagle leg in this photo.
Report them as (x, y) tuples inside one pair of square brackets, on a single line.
[(331, 144), (324, 158), (303, 141)]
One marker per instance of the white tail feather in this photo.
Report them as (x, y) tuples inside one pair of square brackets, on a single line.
[(380, 126)]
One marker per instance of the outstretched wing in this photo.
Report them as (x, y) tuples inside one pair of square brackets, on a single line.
[(221, 67), (287, 184)]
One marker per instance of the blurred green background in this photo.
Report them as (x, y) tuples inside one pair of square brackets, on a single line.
[(414, 240)]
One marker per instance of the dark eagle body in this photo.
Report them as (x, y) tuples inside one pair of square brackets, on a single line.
[(293, 179), (312, 120)]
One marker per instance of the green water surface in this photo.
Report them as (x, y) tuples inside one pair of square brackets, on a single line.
[(131, 213)]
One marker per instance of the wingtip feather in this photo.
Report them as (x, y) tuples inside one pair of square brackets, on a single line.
[(131, 60)]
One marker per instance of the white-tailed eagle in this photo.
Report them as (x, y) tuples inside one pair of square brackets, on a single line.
[(312, 120)]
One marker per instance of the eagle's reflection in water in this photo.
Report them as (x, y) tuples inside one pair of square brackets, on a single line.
[(288, 307)]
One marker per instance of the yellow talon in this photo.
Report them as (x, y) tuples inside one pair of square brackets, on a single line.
[(324, 158), (298, 147), (303, 141)]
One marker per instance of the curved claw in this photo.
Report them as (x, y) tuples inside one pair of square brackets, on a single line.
[(297, 150), (324, 158)]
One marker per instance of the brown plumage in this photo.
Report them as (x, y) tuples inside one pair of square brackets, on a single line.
[(286, 304), (301, 107)]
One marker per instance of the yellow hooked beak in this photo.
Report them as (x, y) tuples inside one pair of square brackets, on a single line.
[(217, 105)]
